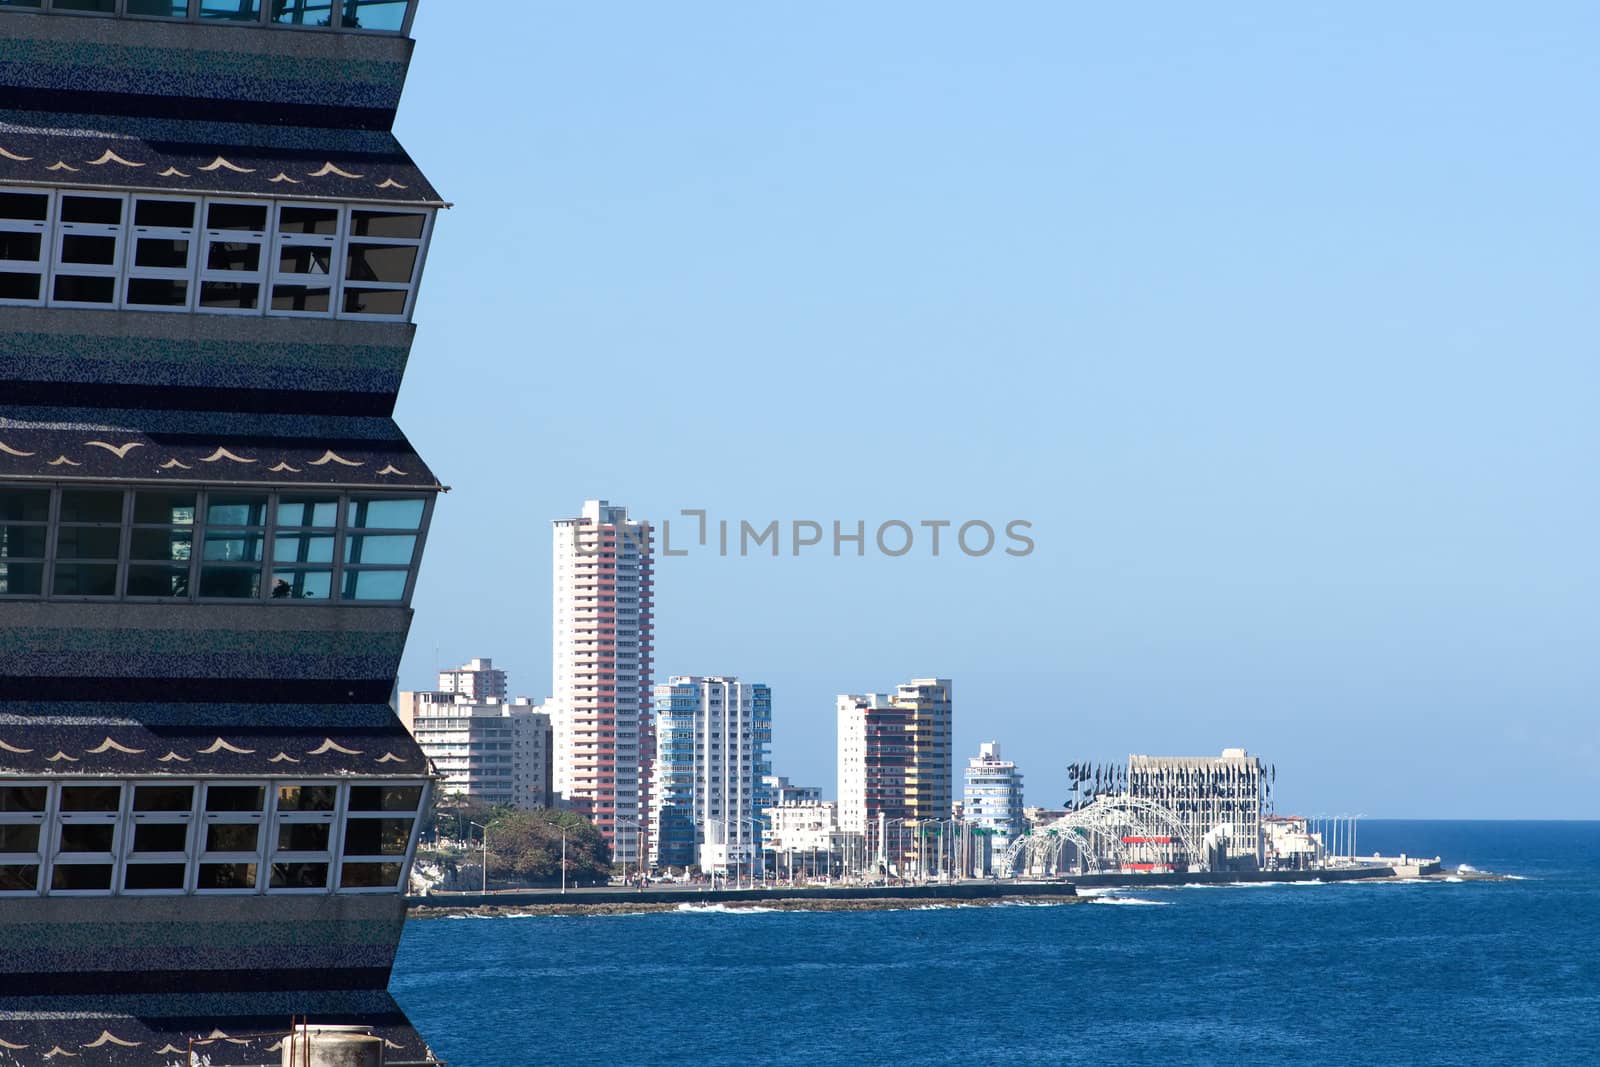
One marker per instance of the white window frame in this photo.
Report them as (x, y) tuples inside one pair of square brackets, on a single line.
[(332, 818), (65, 818), (405, 859), (45, 231), (333, 243), (185, 274), (207, 819), (64, 229), (188, 818), (261, 239), (44, 820)]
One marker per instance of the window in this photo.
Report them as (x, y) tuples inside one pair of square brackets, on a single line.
[(88, 543), (302, 851), (25, 225), (161, 267), (162, 544), (305, 248), (24, 529), (303, 547), (231, 10), (230, 854), (163, 829), (380, 824), (234, 268), (88, 249), (23, 811), (379, 547), (382, 256), (86, 839), (371, 16)]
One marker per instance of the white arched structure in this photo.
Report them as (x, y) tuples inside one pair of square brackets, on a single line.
[(1113, 833)]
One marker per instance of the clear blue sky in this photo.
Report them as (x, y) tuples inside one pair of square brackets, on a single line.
[(1277, 321)]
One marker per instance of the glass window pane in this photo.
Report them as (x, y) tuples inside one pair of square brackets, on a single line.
[(158, 292), (306, 797), (162, 544), (88, 837), (19, 878), (233, 255), (379, 548), (381, 263), (376, 837), (163, 798), (104, 7), (87, 249), (386, 224), (236, 510), (73, 289), (387, 15), (21, 579), (86, 579), (305, 259), (375, 585), (26, 207), (227, 876), (385, 797), (302, 585), (301, 12), (21, 247), (81, 877), (232, 10), (98, 210), (304, 837), (158, 581), (19, 838), (298, 511), (308, 220), (22, 542), (24, 505), (374, 301), (22, 798), (154, 876), (101, 798), (19, 286), (369, 876), (301, 298), (161, 837), (234, 547), (250, 798), (230, 583), (88, 542), (230, 296), (386, 514), (249, 218), (287, 548), (163, 253), (233, 837), (162, 214), (91, 505), (166, 509), (300, 876)]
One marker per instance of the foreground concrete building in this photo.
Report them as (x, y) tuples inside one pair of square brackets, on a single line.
[(1219, 799), (210, 247)]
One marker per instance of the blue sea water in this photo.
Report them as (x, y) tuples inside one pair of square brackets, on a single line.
[(1462, 972)]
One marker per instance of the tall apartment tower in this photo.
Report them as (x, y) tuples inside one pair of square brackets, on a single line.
[(711, 769), (477, 680), (896, 756), (992, 797), (210, 247), (601, 672)]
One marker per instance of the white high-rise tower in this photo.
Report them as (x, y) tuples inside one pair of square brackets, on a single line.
[(601, 672)]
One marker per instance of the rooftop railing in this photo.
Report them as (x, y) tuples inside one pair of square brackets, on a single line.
[(345, 16)]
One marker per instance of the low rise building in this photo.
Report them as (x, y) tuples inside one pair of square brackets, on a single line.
[(491, 750), (1219, 799)]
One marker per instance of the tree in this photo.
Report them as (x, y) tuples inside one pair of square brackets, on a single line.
[(525, 846)]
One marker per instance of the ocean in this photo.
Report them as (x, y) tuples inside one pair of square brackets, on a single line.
[(1451, 972)]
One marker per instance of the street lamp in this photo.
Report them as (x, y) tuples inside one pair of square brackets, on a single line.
[(485, 830)]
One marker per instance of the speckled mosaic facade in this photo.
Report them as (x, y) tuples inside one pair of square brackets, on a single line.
[(150, 696)]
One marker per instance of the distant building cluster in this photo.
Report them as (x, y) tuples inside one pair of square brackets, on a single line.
[(678, 775)]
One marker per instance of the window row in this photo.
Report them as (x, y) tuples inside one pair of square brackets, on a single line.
[(218, 256), (380, 16), (167, 544), (161, 837)]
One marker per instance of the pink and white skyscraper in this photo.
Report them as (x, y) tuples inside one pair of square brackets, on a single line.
[(601, 672)]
